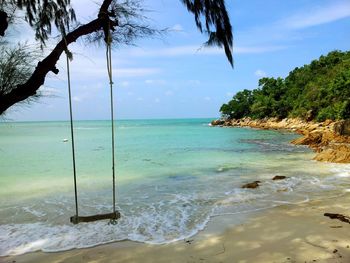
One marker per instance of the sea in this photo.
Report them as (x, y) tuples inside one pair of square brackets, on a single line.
[(172, 178)]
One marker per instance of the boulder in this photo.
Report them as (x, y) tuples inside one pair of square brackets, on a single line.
[(217, 122), (252, 185)]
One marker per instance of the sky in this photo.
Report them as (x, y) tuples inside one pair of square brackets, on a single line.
[(175, 76)]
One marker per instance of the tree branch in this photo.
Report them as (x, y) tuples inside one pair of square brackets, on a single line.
[(37, 79)]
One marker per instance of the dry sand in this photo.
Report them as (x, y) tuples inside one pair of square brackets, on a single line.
[(288, 233)]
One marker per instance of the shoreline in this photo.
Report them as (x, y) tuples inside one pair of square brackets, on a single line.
[(286, 233), (329, 139)]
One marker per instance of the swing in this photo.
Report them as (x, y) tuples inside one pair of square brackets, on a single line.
[(113, 216)]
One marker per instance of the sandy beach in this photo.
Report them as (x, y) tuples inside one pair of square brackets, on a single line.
[(287, 233)]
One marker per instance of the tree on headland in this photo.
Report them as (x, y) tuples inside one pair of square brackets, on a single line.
[(320, 91), (122, 19), (238, 107)]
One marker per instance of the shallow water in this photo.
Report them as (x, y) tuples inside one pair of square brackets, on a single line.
[(173, 176)]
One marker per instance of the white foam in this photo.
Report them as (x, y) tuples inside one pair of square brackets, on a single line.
[(341, 170), (33, 211), (163, 222), (176, 217)]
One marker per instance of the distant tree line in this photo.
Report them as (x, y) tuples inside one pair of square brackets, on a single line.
[(317, 91)]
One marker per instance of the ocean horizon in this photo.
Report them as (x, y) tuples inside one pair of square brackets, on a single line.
[(4, 120)]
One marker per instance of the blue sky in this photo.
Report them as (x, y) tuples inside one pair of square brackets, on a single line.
[(175, 77)]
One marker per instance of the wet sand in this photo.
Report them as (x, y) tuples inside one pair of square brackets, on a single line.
[(288, 233)]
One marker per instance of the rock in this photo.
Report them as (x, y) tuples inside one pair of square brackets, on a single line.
[(342, 127), (312, 138), (252, 185), (336, 153), (217, 122), (310, 115), (279, 177), (227, 123), (327, 122)]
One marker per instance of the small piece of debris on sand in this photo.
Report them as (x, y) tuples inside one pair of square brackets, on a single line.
[(340, 217)]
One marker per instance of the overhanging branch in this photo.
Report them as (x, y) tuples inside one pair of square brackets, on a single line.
[(37, 79)]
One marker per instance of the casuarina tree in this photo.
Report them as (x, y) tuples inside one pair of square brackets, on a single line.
[(124, 20)]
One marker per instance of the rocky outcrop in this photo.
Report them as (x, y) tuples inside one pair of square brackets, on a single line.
[(217, 122), (330, 139), (334, 153)]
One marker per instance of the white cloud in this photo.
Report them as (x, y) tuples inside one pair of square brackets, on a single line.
[(124, 84), (77, 98), (83, 68), (156, 100), (177, 28), (207, 98), (258, 49), (199, 50), (139, 99), (164, 52), (155, 81), (48, 91), (94, 72), (229, 94), (287, 30), (135, 72), (319, 15), (260, 73)]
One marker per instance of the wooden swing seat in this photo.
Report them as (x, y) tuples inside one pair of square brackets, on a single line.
[(79, 219)]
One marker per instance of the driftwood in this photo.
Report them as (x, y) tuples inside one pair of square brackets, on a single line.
[(340, 217)]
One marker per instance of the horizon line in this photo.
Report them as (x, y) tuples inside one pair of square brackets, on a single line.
[(123, 119)]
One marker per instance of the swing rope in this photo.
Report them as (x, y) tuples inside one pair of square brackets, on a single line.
[(115, 215), (68, 56), (110, 76)]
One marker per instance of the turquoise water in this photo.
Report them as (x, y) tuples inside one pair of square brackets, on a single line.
[(173, 176)]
